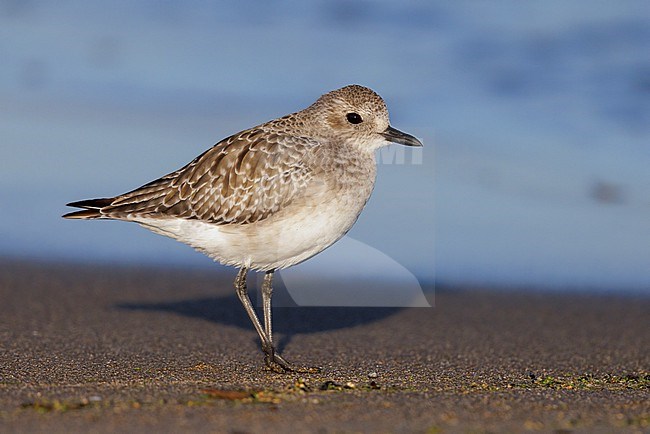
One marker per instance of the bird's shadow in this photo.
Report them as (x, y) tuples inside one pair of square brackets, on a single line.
[(289, 319)]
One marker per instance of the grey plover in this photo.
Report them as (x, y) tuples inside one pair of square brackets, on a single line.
[(268, 197)]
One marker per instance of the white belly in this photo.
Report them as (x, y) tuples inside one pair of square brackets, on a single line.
[(287, 238)]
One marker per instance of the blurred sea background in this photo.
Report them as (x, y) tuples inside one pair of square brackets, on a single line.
[(535, 118)]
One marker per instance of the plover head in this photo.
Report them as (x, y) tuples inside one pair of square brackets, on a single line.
[(357, 115)]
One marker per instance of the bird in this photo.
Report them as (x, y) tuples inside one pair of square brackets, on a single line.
[(268, 197)]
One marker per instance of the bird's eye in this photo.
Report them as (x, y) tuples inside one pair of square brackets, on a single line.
[(354, 118)]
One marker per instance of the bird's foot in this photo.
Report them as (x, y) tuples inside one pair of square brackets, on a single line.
[(278, 364)]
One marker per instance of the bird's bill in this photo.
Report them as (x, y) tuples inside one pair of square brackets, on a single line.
[(396, 136)]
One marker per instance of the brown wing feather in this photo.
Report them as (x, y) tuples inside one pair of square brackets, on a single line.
[(242, 179)]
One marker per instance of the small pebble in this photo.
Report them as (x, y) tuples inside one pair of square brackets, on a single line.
[(373, 375)]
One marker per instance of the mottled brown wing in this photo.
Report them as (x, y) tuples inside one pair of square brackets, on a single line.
[(242, 179)]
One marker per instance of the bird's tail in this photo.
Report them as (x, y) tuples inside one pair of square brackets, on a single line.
[(91, 208)]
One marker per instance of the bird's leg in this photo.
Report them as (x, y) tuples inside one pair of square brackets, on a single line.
[(242, 293), (273, 361), (269, 350), (271, 357), (267, 293)]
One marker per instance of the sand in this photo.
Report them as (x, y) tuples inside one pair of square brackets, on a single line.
[(89, 348)]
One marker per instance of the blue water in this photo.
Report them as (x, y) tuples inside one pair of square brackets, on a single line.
[(535, 118)]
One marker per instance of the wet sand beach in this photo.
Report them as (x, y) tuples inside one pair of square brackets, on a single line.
[(89, 348)]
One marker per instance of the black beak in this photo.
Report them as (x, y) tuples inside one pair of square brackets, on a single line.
[(396, 136)]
